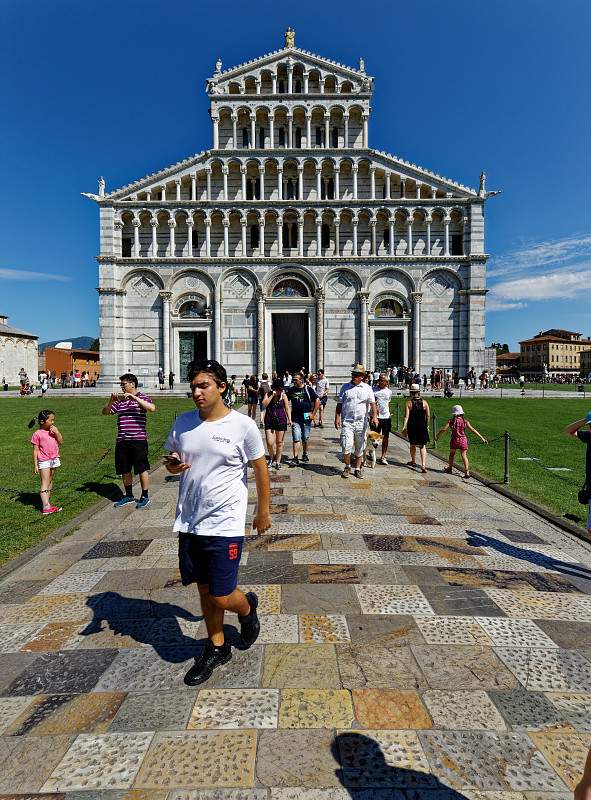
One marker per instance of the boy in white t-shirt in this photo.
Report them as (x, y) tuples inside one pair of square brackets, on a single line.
[(355, 404), (210, 449), (383, 395)]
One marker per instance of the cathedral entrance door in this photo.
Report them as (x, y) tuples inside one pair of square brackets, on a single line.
[(291, 347), (388, 349), (192, 345)]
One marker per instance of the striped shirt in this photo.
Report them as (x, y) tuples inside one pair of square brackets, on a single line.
[(131, 418)]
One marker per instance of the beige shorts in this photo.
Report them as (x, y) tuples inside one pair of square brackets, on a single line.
[(353, 439)]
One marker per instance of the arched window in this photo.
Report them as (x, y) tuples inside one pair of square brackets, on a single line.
[(334, 137), (254, 237), (261, 138), (298, 87), (194, 241), (244, 137), (249, 189), (126, 247), (319, 136), (290, 287), (192, 309), (457, 244), (387, 237), (330, 189), (388, 308), (289, 186), (325, 235), (281, 86), (281, 133), (298, 137), (290, 234)]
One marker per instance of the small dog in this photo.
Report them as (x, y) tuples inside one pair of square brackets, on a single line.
[(373, 440)]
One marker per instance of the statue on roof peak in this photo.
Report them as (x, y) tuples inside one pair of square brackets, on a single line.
[(482, 189), (290, 37), (101, 186), (361, 65), (218, 66)]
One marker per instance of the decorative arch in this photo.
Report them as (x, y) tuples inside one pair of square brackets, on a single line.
[(447, 279), (149, 276), (191, 305), (300, 273), (187, 274), (386, 302), (389, 276)]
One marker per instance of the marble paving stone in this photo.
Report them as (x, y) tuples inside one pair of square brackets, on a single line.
[(144, 670), (300, 667), (575, 708), (235, 708), (548, 670), (135, 580), (392, 600), (468, 667), (504, 579), (301, 758), (12, 665), (566, 753), (61, 672), (332, 573), (522, 537), (134, 547), (160, 547), (128, 634), (90, 565), (334, 793), (243, 671), (342, 541), (13, 637), (460, 601), (376, 758), (209, 794), (269, 597), (153, 711), (353, 557), (318, 629), (310, 557), (375, 542), (315, 708), (272, 572), (514, 632), (19, 592), (10, 709), (386, 629), (195, 759), (567, 634), (390, 709), (279, 542), (384, 574), (488, 761), (56, 636), (72, 583), (278, 629), (523, 710), (103, 761), (66, 713), (452, 630), (420, 576), (319, 599), (27, 761), (379, 666), (52, 608), (463, 710), (540, 605), (406, 558)]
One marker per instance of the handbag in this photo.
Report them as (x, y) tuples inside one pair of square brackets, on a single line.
[(584, 494)]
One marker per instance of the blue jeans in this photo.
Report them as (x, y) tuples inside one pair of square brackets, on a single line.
[(300, 429)]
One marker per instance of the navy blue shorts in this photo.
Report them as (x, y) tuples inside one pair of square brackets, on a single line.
[(213, 560)]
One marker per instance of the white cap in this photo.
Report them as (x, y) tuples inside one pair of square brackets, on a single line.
[(456, 410), (414, 387)]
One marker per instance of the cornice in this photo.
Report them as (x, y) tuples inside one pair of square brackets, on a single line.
[(302, 260), (283, 205)]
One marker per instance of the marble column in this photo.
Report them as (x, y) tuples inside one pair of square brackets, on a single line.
[(300, 237), (318, 182), (243, 177), (171, 246), (262, 180), (355, 170), (365, 130), (260, 331), (208, 178), (409, 247), (337, 184), (136, 237), (290, 131), (428, 220), (387, 185), (226, 224), (216, 134), (178, 190), (355, 223), (166, 297), (154, 224), (262, 236), (319, 235), (253, 130), (320, 297), (416, 298), (207, 223), (300, 181), (272, 131), (446, 222), (372, 182), (327, 131), (337, 236), (225, 180), (374, 244), (392, 229), (280, 236), (194, 186), (309, 131), (190, 236), (346, 120), (363, 332), (217, 321), (235, 131), (243, 224)]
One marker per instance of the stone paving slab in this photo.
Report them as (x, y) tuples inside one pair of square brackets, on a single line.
[(419, 635)]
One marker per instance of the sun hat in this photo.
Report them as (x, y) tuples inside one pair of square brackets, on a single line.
[(588, 418), (457, 410), (414, 387), (358, 369)]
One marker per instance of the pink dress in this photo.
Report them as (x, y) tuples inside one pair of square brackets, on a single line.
[(459, 440)]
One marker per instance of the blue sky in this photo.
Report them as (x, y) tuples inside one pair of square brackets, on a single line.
[(117, 88)]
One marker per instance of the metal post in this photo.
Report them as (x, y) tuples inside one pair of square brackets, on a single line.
[(434, 425), (507, 439)]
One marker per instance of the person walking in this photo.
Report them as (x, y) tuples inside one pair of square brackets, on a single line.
[(210, 448), (252, 396), (277, 419), (458, 425), (44, 383), (171, 377), (355, 405), (304, 405), (383, 395), (264, 389), (416, 426), (321, 386), (46, 443), (131, 447), (161, 379), (576, 429)]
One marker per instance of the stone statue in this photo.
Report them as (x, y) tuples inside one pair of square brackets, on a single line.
[(101, 186), (290, 37), (218, 66), (361, 65), (482, 189), (212, 87)]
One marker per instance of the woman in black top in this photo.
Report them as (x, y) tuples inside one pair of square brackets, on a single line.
[(252, 396), (416, 426)]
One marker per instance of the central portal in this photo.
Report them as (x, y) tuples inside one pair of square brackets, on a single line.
[(291, 347), (388, 350), (192, 345)]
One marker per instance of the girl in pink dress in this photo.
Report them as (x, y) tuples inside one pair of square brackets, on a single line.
[(46, 443), (459, 441)]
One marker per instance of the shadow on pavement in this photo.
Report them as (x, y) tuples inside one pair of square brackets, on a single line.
[(112, 491), (363, 767)]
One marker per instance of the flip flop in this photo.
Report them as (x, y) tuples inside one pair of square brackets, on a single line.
[(448, 470), (410, 464)]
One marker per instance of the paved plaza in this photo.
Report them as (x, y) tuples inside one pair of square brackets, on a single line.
[(422, 637)]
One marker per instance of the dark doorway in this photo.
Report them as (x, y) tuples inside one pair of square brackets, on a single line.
[(388, 350), (290, 342), (192, 345)]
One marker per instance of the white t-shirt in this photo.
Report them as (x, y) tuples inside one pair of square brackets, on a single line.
[(355, 400), (383, 397), (321, 387), (213, 494)]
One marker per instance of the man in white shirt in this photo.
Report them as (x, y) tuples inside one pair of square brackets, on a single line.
[(321, 388), (210, 449), (356, 400), (383, 395)]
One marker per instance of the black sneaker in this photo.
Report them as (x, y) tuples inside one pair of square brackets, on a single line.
[(305, 458), (250, 627), (210, 658), (295, 462)]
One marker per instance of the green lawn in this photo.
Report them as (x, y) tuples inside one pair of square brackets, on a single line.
[(87, 436), (536, 426), (548, 387)]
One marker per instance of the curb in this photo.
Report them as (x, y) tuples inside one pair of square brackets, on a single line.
[(501, 489)]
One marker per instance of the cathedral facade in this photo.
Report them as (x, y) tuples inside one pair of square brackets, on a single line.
[(291, 242)]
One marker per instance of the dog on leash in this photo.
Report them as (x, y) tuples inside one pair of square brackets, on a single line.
[(373, 440)]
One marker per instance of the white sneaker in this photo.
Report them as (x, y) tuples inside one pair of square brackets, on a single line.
[(383, 460)]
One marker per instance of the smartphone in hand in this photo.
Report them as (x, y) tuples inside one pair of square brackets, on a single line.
[(172, 461)]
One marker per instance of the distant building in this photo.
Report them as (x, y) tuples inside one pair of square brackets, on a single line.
[(508, 364), (585, 363), (61, 359), (554, 352), (17, 349)]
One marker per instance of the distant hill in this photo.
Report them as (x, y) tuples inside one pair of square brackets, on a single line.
[(83, 342)]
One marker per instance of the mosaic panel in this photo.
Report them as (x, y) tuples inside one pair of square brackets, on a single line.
[(315, 708), (114, 549), (392, 600), (269, 597), (52, 714), (463, 710), (10, 709), (143, 670), (13, 637), (65, 584), (390, 709), (235, 708), (310, 557), (243, 671), (540, 605), (332, 573)]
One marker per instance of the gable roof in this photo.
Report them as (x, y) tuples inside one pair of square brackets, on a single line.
[(8, 330)]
